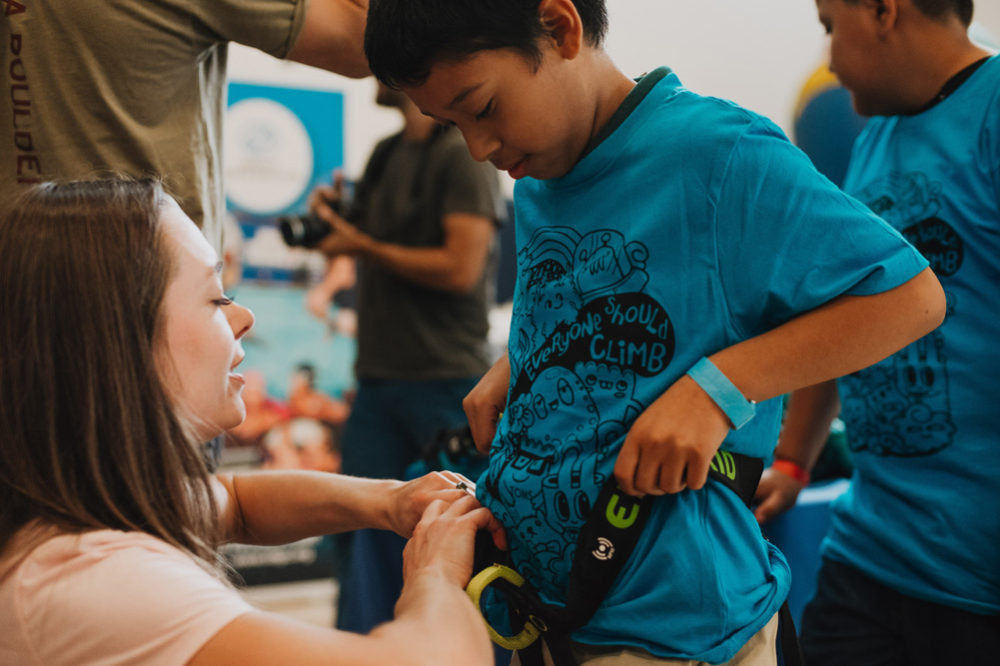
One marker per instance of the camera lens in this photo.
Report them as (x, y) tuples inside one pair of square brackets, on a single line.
[(302, 230), (291, 230)]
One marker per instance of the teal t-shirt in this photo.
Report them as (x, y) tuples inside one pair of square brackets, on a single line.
[(921, 513), (692, 225)]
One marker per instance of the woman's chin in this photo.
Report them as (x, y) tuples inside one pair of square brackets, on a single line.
[(239, 417)]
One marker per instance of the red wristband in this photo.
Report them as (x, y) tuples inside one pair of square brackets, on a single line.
[(792, 469)]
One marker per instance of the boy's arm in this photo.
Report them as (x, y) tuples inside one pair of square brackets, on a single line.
[(670, 445), (485, 403), (806, 428)]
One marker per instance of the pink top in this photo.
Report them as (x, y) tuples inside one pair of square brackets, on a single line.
[(109, 597)]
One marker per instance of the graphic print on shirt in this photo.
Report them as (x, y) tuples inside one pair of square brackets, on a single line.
[(902, 406), (587, 333)]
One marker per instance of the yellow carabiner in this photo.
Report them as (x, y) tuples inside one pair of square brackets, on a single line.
[(484, 579)]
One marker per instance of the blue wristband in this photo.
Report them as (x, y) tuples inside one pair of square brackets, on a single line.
[(723, 392)]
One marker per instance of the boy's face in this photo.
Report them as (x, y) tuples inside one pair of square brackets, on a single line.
[(857, 55), (526, 120)]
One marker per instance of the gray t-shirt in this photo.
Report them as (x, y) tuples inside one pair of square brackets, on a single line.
[(406, 330), (128, 86)]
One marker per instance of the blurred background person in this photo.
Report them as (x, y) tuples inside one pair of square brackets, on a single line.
[(422, 227)]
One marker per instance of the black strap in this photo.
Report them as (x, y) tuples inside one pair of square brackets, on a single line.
[(613, 529), (788, 641), (605, 543), (951, 85)]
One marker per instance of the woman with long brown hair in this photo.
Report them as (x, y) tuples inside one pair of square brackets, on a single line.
[(118, 357)]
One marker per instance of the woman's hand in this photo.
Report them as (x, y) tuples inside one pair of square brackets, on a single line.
[(444, 540), (411, 499)]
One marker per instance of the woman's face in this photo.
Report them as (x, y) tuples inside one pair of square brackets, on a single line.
[(200, 345)]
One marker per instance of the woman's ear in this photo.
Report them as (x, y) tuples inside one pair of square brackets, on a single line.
[(562, 25)]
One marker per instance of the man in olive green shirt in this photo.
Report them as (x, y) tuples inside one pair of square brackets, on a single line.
[(137, 87), (422, 228)]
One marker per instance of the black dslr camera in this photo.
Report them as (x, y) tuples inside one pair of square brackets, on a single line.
[(303, 230)]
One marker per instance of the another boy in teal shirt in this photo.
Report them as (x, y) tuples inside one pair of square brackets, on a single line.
[(911, 563), (655, 229)]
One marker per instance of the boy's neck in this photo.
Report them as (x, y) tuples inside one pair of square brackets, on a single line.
[(932, 57), (611, 87)]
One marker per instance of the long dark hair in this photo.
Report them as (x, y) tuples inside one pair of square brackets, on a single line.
[(88, 439)]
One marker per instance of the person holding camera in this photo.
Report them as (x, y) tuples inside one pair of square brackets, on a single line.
[(421, 227)]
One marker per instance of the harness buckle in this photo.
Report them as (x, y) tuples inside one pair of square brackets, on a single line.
[(533, 625)]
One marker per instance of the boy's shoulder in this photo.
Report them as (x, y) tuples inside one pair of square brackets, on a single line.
[(698, 119), (989, 83)]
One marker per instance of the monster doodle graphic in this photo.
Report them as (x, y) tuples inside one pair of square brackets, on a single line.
[(900, 198), (607, 265), (901, 406), (910, 202), (587, 335), (546, 288), (620, 383)]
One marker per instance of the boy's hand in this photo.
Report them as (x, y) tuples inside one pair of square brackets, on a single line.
[(776, 493), (671, 444), (485, 403)]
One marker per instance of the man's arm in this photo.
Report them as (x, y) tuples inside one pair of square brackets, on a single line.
[(455, 266), (671, 444), (332, 37)]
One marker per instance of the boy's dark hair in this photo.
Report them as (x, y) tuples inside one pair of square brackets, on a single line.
[(404, 38), (937, 9)]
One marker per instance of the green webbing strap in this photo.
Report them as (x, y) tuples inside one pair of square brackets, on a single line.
[(738, 472)]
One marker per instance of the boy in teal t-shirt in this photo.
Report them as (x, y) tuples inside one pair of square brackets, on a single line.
[(679, 264), (911, 563)]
